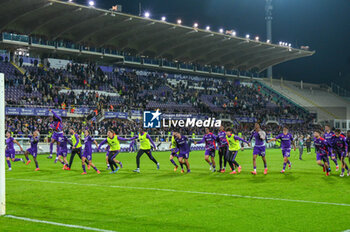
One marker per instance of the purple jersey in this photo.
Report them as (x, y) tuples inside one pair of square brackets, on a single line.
[(209, 140), (348, 141), (321, 146), (286, 140), (34, 142), (329, 137), (182, 144), (340, 144), (88, 140), (64, 143), (222, 141), (10, 146), (259, 141), (56, 124)]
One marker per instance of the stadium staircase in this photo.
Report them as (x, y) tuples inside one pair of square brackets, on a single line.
[(314, 98), (21, 70)]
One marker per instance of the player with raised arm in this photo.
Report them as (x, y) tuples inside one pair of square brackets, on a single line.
[(322, 150), (286, 143), (145, 147), (259, 148), (209, 140), (340, 149), (328, 135), (57, 127), (33, 150), (113, 142), (87, 153), (223, 148), (183, 145), (233, 148), (10, 152)]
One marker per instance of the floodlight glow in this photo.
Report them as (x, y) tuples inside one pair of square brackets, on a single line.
[(179, 21), (91, 3), (207, 28), (195, 25), (257, 38), (268, 41), (221, 30), (147, 14), (70, 0), (280, 43), (247, 36), (289, 45), (234, 33), (163, 18), (20, 53)]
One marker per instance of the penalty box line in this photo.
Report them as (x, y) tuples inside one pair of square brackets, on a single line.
[(186, 191), (58, 224)]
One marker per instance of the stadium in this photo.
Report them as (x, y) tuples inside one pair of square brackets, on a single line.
[(113, 120)]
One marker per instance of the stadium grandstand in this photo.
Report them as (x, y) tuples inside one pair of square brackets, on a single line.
[(83, 81), (49, 60)]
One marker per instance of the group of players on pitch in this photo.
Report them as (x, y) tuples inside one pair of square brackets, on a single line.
[(331, 145)]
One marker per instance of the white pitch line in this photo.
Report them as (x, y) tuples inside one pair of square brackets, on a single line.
[(186, 191), (58, 224)]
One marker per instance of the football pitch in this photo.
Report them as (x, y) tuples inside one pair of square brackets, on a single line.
[(302, 199)]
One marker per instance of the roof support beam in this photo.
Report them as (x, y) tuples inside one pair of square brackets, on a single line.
[(28, 12)]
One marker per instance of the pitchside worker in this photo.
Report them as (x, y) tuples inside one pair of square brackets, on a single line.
[(145, 147)]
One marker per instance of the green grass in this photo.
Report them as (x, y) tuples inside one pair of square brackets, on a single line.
[(94, 202)]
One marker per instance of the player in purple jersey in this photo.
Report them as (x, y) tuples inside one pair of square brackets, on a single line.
[(63, 151), (174, 153), (223, 147), (340, 149), (132, 146), (182, 143), (33, 150), (210, 146), (259, 148), (87, 153), (10, 152), (57, 127), (107, 153), (322, 149), (328, 135), (286, 146), (348, 142)]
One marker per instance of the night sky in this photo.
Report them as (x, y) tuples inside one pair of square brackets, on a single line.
[(324, 25)]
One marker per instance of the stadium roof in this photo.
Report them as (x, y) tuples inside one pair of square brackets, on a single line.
[(57, 20)]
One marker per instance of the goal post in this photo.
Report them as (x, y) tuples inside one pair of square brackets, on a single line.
[(2, 145)]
